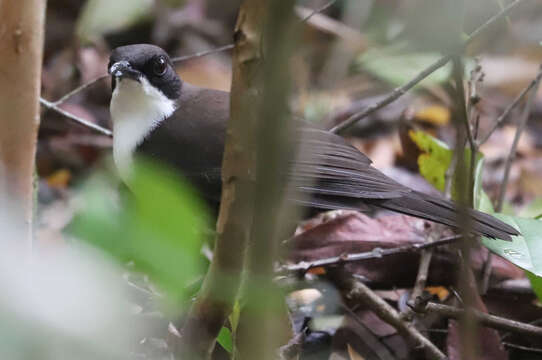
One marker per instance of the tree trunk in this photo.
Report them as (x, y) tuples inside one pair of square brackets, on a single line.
[(21, 46), (223, 279), (256, 154), (264, 325)]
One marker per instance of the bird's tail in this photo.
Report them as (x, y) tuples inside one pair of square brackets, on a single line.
[(445, 212)]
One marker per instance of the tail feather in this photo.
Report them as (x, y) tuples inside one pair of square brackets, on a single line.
[(444, 212)]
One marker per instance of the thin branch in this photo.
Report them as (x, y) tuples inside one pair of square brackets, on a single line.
[(425, 262), (376, 253), (492, 321), (394, 95), (329, 25), (400, 91), (459, 83), (319, 10), (78, 89), (202, 53), (519, 131), (360, 292), (502, 14), (509, 109), (522, 348), (77, 119), (231, 46)]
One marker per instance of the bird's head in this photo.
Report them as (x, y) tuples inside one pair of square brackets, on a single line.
[(148, 65), (146, 91)]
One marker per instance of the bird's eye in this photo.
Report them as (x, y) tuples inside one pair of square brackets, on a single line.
[(159, 66)]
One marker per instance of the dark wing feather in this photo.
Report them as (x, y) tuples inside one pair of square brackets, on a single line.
[(341, 177)]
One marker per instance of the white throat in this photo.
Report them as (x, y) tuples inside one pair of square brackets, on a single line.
[(136, 109)]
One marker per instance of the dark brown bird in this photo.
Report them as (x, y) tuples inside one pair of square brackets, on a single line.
[(156, 114)]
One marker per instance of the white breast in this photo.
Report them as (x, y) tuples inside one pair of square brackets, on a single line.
[(136, 109)]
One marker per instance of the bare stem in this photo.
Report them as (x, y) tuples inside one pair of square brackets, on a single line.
[(376, 253), (78, 89), (519, 131), (488, 320), (77, 119), (509, 108), (319, 10), (203, 53), (360, 292)]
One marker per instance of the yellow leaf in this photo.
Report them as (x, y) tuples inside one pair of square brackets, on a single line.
[(434, 114), (440, 291), (59, 179)]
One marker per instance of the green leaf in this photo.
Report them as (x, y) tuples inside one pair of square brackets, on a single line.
[(435, 159), (160, 228), (536, 284), (235, 314), (225, 339), (533, 209), (524, 251), (100, 17)]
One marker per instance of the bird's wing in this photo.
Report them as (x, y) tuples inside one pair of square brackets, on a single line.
[(335, 175), (330, 166)]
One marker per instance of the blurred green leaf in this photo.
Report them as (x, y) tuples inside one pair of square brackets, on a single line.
[(398, 67), (225, 339), (100, 17), (159, 228), (235, 314), (533, 209), (536, 284), (482, 202)]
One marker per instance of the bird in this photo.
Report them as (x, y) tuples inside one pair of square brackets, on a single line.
[(157, 115)]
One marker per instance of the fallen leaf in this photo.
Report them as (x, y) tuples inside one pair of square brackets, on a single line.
[(435, 114)]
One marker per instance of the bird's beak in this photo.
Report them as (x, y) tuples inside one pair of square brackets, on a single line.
[(123, 69)]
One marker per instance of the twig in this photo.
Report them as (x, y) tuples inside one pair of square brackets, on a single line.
[(492, 321), (319, 10), (394, 95), (425, 262), (202, 53), (522, 348), (77, 119), (503, 13), (376, 253), (329, 25), (400, 91), (459, 83), (230, 46), (360, 292), (78, 89), (509, 109), (519, 131)]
